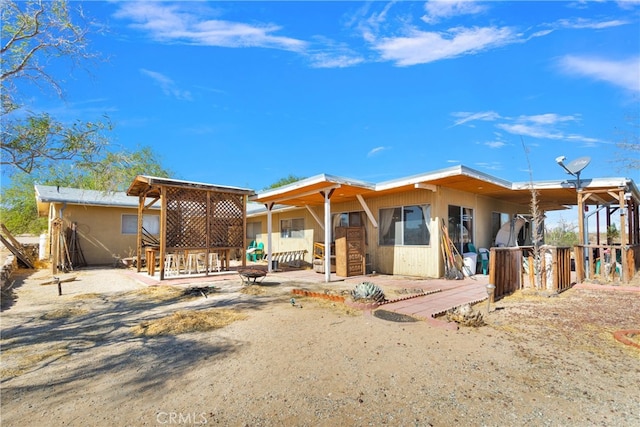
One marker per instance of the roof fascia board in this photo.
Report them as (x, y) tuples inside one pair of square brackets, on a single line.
[(316, 179), (293, 186), (307, 193), (625, 183), (154, 180), (443, 173), (275, 209)]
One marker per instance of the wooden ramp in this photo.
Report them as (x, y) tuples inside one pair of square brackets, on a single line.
[(15, 247)]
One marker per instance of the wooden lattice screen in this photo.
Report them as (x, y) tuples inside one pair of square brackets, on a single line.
[(186, 218), (188, 222), (226, 220)]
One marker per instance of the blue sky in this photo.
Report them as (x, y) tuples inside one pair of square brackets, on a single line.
[(246, 93)]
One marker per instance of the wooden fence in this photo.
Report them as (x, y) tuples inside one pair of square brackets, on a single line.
[(511, 269)]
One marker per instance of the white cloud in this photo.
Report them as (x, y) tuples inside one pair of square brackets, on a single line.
[(329, 60), (489, 165), (582, 23), (547, 119), (622, 73), (421, 47), (167, 85), (376, 150), (333, 55), (539, 126), (436, 10), (628, 4), (531, 130), (170, 23), (543, 126), (466, 117), (495, 144)]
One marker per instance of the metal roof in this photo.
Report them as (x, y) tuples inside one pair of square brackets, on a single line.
[(552, 195), (46, 194)]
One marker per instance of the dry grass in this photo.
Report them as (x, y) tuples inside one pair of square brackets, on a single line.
[(159, 293), (63, 313), (182, 322), (253, 290), (30, 357), (90, 295), (527, 295)]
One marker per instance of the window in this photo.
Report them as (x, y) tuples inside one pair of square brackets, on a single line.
[(460, 226), (407, 225), (292, 228), (253, 230), (151, 224), (498, 219), (347, 219)]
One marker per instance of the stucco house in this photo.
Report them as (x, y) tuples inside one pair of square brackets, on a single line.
[(106, 222), (402, 219)]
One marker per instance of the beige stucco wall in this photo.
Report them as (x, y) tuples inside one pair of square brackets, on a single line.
[(423, 261), (100, 231)]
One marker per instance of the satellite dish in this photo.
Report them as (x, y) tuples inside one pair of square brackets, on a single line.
[(574, 167)]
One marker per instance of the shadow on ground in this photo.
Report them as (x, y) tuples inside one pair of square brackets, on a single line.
[(98, 332)]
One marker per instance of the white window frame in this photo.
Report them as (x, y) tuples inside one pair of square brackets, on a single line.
[(150, 222), (292, 228), (386, 222), (254, 229)]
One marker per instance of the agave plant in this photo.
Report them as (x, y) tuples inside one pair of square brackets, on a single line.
[(367, 291)]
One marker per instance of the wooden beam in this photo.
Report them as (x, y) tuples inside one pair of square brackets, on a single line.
[(423, 186), (367, 210), (315, 216), (155, 199)]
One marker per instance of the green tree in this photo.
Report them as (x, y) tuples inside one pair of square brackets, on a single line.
[(113, 172), (18, 210), (116, 170), (284, 181), (563, 234), (34, 34)]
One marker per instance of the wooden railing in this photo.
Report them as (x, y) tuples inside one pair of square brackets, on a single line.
[(607, 263), (511, 269), (318, 250)]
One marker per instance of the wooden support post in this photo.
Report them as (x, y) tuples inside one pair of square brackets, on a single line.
[(141, 200), (163, 229)]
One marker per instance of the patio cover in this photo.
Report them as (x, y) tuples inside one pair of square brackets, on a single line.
[(193, 215), (614, 193)]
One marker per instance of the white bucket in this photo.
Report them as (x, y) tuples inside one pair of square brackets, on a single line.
[(469, 259), (42, 247)]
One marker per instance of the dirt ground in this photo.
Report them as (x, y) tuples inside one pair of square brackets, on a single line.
[(75, 360)]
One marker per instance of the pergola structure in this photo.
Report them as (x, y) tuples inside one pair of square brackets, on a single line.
[(193, 217)]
